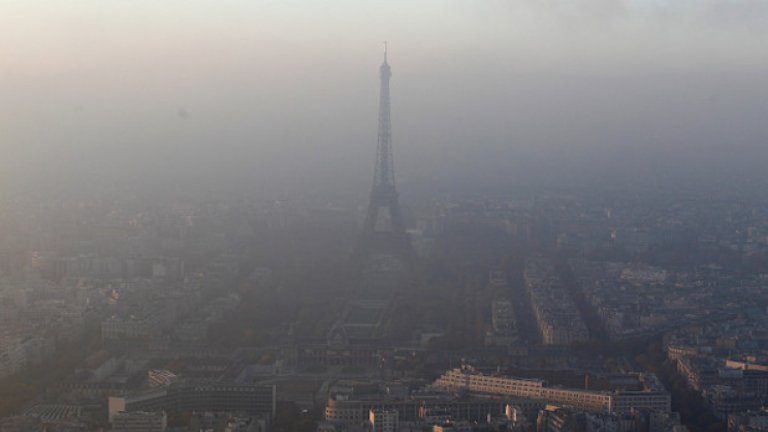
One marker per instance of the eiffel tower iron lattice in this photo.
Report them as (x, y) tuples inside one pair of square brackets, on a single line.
[(383, 193)]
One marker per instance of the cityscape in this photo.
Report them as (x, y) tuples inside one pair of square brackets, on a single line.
[(554, 294)]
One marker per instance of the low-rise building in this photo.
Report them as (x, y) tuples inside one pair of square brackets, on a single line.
[(652, 396), (215, 397)]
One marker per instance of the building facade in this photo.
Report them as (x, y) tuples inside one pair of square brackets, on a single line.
[(384, 420), (653, 396)]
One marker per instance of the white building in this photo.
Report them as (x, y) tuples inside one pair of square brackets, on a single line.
[(653, 396)]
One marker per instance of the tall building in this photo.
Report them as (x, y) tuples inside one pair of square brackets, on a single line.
[(375, 237)]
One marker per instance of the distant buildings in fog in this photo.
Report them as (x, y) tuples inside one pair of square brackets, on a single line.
[(559, 321)]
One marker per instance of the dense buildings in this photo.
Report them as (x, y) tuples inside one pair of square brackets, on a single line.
[(748, 421), (726, 362), (503, 330), (213, 318), (634, 300), (157, 307), (354, 410), (16, 353), (559, 419), (558, 319), (464, 397)]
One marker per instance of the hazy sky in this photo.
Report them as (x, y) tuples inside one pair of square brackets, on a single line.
[(203, 92)]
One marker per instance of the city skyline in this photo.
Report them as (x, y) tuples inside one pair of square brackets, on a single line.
[(203, 227), (486, 90)]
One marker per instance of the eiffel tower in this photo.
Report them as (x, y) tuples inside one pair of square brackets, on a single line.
[(393, 239)]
